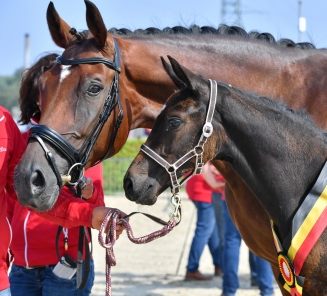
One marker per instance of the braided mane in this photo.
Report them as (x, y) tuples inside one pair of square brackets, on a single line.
[(29, 85), (223, 29)]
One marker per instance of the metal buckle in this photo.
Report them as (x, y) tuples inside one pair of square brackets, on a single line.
[(206, 126)]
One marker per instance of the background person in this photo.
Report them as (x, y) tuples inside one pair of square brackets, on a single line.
[(231, 257), (206, 231), (217, 183)]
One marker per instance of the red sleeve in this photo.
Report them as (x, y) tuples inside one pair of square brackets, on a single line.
[(96, 174), (12, 147), (70, 211)]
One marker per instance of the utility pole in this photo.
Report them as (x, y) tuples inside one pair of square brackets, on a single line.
[(27, 51), (302, 22), (231, 11)]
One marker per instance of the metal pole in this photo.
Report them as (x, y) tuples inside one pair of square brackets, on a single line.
[(300, 15), (27, 51)]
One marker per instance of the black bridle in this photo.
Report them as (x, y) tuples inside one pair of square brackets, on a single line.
[(78, 158)]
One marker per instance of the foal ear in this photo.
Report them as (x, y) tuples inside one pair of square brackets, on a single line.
[(180, 72), (59, 29), (179, 83), (95, 24)]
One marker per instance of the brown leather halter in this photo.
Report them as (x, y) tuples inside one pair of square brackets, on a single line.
[(78, 158)]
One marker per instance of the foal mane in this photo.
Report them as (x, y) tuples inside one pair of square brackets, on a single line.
[(277, 105)]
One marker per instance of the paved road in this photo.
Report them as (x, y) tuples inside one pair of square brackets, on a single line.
[(158, 268)]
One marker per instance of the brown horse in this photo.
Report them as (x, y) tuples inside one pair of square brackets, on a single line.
[(277, 152), (72, 98)]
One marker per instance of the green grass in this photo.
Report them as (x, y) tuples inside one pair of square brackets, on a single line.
[(114, 169)]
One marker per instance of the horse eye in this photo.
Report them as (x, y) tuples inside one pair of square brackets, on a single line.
[(174, 122), (94, 89)]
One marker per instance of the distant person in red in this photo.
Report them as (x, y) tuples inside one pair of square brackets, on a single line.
[(217, 183), (206, 231)]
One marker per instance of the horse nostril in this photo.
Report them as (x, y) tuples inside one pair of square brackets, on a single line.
[(37, 181)]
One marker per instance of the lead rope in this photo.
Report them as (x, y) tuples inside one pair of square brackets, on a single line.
[(108, 239)]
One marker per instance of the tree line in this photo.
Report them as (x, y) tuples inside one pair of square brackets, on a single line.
[(9, 90)]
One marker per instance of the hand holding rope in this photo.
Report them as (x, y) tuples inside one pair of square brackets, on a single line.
[(107, 237)]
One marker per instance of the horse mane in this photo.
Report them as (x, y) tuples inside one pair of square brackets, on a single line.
[(29, 89), (222, 29)]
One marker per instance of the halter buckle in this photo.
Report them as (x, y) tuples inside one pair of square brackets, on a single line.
[(176, 202), (207, 129)]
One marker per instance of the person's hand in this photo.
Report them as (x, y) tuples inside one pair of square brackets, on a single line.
[(98, 215), (88, 190)]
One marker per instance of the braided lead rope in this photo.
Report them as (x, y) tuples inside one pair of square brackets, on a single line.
[(107, 240)]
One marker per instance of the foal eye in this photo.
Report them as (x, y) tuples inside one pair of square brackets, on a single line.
[(94, 89), (174, 122)]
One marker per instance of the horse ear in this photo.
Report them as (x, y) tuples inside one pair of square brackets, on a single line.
[(95, 24), (180, 72), (179, 83), (59, 29)]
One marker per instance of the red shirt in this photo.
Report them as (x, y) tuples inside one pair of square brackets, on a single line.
[(34, 238), (11, 149), (198, 189)]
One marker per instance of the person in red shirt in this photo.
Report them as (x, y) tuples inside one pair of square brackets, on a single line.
[(33, 247), (34, 239), (68, 211), (217, 183), (206, 231)]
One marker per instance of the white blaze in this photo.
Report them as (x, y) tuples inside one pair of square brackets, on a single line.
[(64, 72)]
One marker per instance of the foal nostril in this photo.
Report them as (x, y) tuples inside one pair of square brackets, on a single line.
[(129, 188), (37, 182)]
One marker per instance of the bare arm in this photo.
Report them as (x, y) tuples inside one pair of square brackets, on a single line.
[(209, 176)]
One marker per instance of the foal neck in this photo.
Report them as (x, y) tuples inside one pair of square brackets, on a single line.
[(277, 152)]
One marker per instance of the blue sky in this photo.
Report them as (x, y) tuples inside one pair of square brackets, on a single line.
[(278, 17)]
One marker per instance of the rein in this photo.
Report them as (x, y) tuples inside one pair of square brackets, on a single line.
[(78, 158)]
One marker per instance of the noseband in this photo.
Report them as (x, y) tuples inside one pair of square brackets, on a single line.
[(78, 158), (196, 152)]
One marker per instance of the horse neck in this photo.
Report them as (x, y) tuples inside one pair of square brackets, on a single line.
[(239, 61), (277, 153)]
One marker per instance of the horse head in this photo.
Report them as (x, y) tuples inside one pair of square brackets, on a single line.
[(79, 105), (180, 131)]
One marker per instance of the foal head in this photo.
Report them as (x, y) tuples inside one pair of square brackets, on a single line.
[(176, 132)]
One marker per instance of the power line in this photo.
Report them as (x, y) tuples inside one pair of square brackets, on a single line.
[(231, 11)]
